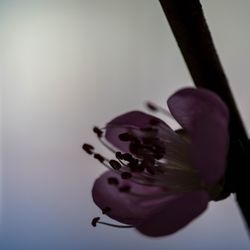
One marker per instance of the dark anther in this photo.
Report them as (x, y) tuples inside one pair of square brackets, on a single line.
[(115, 164), (126, 175), (99, 157), (151, 106), (98, 132), (118, 155), (127, 157), (113, 181), (124, 189), (95, 221), (88, 148), (126, 137), (106, 210)]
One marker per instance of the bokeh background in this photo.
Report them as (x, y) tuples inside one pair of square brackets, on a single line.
[(68, 65)]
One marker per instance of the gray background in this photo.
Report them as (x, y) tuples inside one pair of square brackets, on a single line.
[(67, 65)]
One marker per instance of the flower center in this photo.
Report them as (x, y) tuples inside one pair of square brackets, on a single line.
[(157, 156)]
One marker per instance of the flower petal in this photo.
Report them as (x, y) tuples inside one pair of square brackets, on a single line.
[(175, 214), (121, 124), (125, 207), (205, 118)]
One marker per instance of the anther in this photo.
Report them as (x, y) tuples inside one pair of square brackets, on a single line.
[(118, 155), (88, 148), (98, 132), (115, 164), (99, 157), (151, 106), (124, 189), (106, 210), (113, 181), (95, 221), (155, 108), (127, 157), (126, 175)]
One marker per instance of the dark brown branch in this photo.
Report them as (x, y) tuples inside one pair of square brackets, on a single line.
[(190, 29)]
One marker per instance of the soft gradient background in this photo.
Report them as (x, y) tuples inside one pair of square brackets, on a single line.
[(67, 65)]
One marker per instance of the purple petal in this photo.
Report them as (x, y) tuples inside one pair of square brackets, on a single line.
[(175, 214), (128, 208), (205, 118), (120, 124)]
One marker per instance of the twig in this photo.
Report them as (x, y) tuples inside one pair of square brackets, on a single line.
[(191, 32)]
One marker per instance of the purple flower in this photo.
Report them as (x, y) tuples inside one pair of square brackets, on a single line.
[(162, 179)]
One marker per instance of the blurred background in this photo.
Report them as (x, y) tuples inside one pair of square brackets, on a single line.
[(69, 65)]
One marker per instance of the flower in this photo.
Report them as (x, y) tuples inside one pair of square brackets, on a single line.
[(162, 179)]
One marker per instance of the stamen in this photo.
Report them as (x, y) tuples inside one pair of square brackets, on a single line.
[(155, 108), (95, 221), (106, 145), (106, 210), (105, 162), (114, 225), (115, 164), (127, 157), (98, 132), (119, 155), (99, 157), (88, 148), (151, 106)]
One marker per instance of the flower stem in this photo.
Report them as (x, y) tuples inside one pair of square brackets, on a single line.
[(191, 32)]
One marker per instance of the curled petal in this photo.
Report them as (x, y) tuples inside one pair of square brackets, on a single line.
[(205, 118), (175, 214), (130, 208), (122, 123)]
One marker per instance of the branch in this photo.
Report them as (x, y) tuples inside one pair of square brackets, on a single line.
[(191, 32)]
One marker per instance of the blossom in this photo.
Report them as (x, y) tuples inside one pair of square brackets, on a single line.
[(161, 179)]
